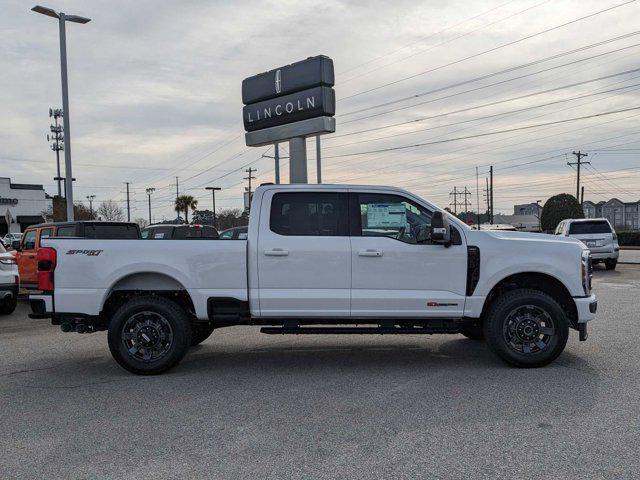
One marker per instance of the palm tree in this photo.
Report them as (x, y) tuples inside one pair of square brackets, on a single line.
[(184, 203)]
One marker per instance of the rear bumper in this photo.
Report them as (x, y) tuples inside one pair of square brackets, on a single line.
[(41, 306), (605, 255), (8, 291), (586, 307)]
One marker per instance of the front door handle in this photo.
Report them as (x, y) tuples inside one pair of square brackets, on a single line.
[(276, 252), (370, 252)]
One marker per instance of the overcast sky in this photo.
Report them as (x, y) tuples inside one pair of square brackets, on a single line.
[(155, 93)]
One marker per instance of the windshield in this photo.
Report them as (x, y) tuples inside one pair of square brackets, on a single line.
[(597, 226)]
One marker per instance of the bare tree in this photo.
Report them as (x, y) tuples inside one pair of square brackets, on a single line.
[(142, 222), (110, 211)]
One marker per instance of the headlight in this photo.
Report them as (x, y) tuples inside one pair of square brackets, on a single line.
[(587, 269)]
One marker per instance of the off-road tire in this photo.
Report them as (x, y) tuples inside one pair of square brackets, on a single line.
[(173, 317), (610, 264), (473, 331), (7, 307), (199, 333), (500, 317)]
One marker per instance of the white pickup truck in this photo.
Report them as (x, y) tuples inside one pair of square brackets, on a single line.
[(334, 259)]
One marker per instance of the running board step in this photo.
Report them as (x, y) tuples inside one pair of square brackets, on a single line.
[(357, 330)]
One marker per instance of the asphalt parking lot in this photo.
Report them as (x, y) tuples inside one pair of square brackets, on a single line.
[(246, 405)]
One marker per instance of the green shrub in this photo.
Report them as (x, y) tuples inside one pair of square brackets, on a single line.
[(558, 208), (628, 238)]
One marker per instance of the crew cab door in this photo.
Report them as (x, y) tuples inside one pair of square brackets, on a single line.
[(26, 258), (303, 254), (394, 272)]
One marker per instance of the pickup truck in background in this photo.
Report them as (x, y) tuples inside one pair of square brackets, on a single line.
[(323, 259)]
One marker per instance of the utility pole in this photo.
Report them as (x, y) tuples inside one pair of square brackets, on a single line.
[(276, 157), (486, 196), (250, 177), (491, 194), (213, 194), (579, 155), (128, 205), (466, 202), (318, 160), (150, 190), (582, 196), (62, 20), (177, 194), (57, 137), (477, 200), (90, 198), (455, 194), (538, 209)]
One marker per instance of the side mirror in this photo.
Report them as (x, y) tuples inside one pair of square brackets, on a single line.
[(440, 231), (16, 245)]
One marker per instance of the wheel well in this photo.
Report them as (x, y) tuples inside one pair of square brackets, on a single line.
[(536, 281), (146, 283)]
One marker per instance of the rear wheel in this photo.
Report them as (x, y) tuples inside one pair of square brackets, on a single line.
[(199, 333), (149, 335), (526, 328), (8, 306), (610, 264)]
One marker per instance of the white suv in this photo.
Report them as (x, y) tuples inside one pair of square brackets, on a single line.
[(9, 282), (597, 234)]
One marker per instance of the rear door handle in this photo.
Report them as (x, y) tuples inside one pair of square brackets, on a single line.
[(370, 253), (276, 252)]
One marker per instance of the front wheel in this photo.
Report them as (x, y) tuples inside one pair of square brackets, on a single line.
[(526, 328), (149, 335)]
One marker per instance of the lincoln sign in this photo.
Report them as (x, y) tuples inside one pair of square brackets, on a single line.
[(283, 103)]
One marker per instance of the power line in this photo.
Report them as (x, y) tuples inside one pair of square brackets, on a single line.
[(508, 70), (444, 42), (513, 42), (484, 134)]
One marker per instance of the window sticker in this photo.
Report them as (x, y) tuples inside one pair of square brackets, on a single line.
[(158, 235), (386, 215)]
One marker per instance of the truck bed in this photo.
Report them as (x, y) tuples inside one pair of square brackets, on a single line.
[(88, 269)]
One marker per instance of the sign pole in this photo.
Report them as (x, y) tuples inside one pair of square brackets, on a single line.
[(298, 160), (318, 160), (276, 156)]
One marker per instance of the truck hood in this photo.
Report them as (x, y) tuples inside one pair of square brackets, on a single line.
[(539, 237)]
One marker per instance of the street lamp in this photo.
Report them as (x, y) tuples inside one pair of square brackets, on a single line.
[(62, 19), (213, 193), (150, 190)]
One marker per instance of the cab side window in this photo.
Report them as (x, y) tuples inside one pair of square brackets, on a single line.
[(68, 231), (383, 215), (309, 214), (46, 233), (29, 240)]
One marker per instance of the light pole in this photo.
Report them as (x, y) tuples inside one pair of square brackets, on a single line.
[(62, 19), (213, 194), (150, 190), (90, 198)]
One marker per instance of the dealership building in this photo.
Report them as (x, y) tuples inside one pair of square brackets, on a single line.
[(21, 205)]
